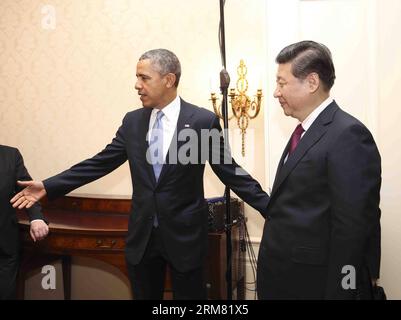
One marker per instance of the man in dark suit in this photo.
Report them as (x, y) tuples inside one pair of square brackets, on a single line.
[(321, 238), (166, 143), (12, 169)]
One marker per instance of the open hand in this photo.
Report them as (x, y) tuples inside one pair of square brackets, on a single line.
[(34, 191)]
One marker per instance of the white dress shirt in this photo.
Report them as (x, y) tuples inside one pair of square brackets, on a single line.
[(306, 124), (169, 122), (314, 114)]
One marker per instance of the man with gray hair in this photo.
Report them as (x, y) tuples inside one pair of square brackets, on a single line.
[(168, 224)]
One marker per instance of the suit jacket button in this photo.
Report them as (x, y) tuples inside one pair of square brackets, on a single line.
[(151, 217), (268, 218)]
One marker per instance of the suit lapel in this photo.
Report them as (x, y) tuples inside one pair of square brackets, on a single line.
[(186, 113), (143, 131), (281, 162), (311, 137)]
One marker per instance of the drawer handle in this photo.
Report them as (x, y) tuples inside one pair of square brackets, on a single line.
[(99, 244)]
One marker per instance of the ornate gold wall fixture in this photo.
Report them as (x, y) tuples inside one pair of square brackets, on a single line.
[(243, 108)]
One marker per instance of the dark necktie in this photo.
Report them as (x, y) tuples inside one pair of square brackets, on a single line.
[(296, 136)]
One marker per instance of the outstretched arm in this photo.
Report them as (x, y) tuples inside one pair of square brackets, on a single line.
[(231, 174), (78, 175)]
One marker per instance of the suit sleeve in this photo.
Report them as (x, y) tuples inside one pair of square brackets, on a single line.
[(354, 177), (233, 175), (109, 159), (21, 173)]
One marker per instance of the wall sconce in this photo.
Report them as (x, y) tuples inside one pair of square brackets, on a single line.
[(243, 109)]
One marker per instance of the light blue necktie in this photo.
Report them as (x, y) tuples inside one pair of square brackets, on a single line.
[(156, 143)]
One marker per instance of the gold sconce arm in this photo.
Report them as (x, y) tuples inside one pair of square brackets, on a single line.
[(255, 105), (217, 108)]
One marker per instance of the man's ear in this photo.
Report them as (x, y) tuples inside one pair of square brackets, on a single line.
[(313, 82), (170, 80)]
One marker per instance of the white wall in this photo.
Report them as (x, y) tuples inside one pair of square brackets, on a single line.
[(389, 115), (345, 27)]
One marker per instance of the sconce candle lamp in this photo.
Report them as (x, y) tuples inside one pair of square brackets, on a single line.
[(243, 108)]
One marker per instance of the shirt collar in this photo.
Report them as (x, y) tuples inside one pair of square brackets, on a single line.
[(315, 113), (171, 110)]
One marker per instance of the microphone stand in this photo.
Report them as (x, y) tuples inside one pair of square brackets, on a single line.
[(224, 83)]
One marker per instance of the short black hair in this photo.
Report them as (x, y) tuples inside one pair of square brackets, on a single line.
[(165, 62), (307, 57)]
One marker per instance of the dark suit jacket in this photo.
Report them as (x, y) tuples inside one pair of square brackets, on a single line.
[(12, 169), (323, 213), (178, 197)]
